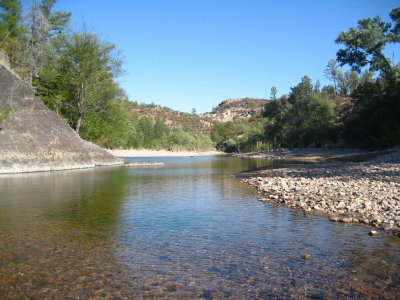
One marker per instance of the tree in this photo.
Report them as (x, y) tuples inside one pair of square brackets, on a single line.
[(109, 127), (364, 45), (366, 77), (332, 72), (58, 20), (348, 82), (43, 25), (373, 121), (328, 91), (302, 91), (317, 87), (274, 91), (305, 118), (194, 111), (83, 75), (10, 28), (372, 118)]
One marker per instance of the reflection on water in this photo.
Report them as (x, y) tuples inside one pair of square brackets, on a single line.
[(187, 230)]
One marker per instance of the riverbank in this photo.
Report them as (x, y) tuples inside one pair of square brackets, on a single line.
[(161, 153), (317, 155), (350, 192)]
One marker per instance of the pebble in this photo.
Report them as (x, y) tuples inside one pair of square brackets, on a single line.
[(367, 192)]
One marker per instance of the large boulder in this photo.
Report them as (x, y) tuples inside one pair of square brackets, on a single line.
[(34, 138)]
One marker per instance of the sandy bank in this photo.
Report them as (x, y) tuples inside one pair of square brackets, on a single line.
[(350, 192), (317, 155), (161, 153)]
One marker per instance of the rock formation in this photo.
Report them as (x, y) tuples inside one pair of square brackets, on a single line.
[(34, 138)]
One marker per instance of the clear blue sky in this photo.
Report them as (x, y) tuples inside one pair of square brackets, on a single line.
[(188, 54)]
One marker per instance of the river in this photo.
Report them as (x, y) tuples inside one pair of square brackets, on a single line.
[(187, 230)]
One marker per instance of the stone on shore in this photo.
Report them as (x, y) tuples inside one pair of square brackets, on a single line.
[(366, 192)]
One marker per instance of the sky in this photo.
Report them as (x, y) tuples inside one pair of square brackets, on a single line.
[(188, 54)]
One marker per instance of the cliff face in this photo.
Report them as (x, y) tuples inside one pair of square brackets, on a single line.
[(233, 109), (34, 138)]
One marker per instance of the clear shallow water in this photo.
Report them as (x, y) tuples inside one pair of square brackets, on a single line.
[(187, 230)]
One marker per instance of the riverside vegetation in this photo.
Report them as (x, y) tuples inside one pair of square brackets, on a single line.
[(75, 72), (90, 218)]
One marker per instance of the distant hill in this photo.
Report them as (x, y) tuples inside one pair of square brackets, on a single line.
[(197, 124), (234, 109), (227, 110)]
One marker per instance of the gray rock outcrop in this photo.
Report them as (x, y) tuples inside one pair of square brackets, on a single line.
[(34, 138)]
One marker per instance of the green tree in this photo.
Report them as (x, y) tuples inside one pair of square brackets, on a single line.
[(301, 91), (82, 76), (42, 28), (332, 72), (348, 82), (10, 28), (109, 127), (160, 134), (373, 120), (274, 91), (58, 20), (317, 87), (305, 119), (328, 91), (364, 45)]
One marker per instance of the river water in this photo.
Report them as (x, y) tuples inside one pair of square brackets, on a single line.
[(184, 231)]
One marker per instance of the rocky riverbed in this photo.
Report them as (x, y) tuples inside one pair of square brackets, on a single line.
[(366, 192)]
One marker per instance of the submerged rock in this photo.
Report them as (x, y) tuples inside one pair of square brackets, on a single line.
[(34, 138)]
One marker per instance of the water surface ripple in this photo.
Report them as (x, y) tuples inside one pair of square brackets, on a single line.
[(187, 230)]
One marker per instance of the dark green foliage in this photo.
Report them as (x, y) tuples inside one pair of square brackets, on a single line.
[(240, 136), (74, 74), (364, 45), (108, 127), (10, 17), (10, 29), (80, 79), (305, 119), (301, 91), (374, 118), (114, 127), (273, 108)]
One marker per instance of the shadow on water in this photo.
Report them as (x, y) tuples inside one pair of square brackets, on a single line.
[(89, 198), (55, 232), (99, 204)]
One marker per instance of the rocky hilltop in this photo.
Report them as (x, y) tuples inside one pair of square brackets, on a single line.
[(34, 138), (233, 109)]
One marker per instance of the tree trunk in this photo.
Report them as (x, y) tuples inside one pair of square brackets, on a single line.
[(78, 124)]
